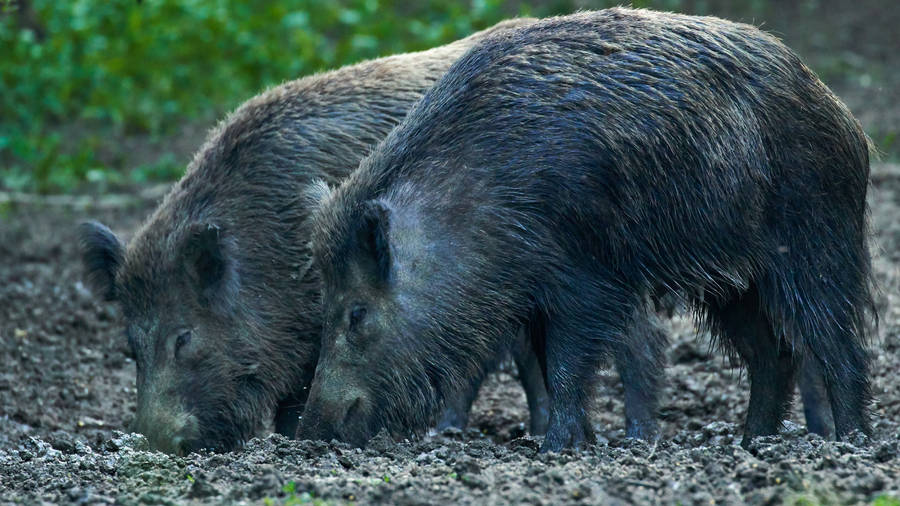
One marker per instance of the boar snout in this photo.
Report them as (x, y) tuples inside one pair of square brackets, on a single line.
[(167, 430), (336, 410)]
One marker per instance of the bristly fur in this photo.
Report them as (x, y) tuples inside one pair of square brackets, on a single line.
[(235, 226), (562, 171)]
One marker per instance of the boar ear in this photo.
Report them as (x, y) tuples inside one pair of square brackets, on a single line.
[(372, 237), (101, 254), (208, 264)]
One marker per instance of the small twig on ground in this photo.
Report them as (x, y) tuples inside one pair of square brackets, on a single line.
[(653, 450)]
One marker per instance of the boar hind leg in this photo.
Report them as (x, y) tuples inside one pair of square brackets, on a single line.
[(532, 378), (816, 407), (770, 362), (640, 360), (820, 294)]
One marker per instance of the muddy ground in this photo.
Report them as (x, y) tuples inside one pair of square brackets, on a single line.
[(67, 388), (67, 392)]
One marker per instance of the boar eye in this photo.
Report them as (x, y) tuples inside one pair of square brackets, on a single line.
[(182, 339), (356, 316)]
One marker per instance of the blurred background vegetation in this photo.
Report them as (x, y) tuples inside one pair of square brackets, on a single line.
[(103, 94)]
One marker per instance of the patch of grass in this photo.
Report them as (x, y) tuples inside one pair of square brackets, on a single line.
[(803, 500), (886, 500), (293, 498)]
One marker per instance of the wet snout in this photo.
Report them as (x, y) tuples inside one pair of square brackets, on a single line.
[(337, 409), (167, 427)]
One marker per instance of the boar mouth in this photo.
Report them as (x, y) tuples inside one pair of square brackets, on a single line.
[(355, 426), (360, 424), (209, 441), (198, 434), (217, 437), (352, 413)]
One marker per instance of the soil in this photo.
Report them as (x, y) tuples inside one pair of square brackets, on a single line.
[(67, 395), (67, 391)]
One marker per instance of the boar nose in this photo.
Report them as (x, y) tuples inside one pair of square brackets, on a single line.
[(167, 430), (332, 405), (338, 404)]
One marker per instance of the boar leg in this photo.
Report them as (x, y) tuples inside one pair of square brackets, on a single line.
[(457, 408), (532, 378), (640, 360), (576, 336), (769, 360), (816, 407)]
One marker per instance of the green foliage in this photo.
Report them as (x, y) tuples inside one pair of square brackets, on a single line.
[(819, 497), (886, 500), (122, 69), (294, 499), (803, 500), (99, 91)]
